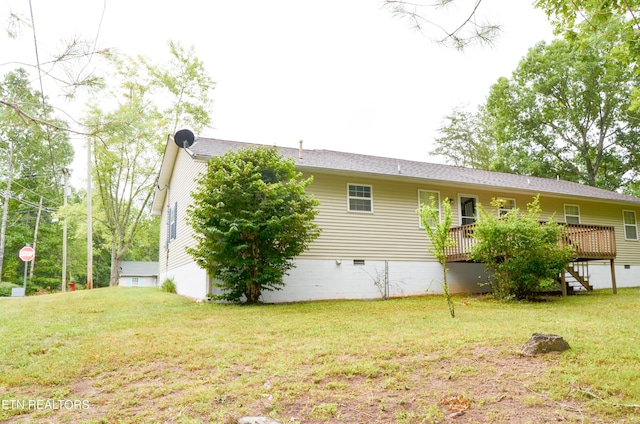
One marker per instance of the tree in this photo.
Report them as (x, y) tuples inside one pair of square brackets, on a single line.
[(32, 157), (460, 33), (65, 74), (145, 245), (465, 141), (75, 214), (68, 70), (617, 21), (522, 254), (251, 217), (128, 140), (124, 163), (565, 112), (567, 107), (437, 230), (595, 16)]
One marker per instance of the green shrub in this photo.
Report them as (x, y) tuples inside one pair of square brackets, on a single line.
[(5, 289), (522, 253), (251, 216), (168, 286)]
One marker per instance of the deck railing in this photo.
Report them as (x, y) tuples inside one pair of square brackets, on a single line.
[(463, 238), (588, 241)]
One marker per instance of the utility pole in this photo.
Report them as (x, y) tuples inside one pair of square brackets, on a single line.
[(89, 224), (65, 171), (35, 238)]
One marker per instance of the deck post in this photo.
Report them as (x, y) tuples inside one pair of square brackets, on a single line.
[(563, 282), (613, 278)]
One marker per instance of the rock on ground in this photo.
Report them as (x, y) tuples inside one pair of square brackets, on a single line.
[(544, 343)]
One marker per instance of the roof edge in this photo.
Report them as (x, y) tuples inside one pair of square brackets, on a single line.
[(164, 176)]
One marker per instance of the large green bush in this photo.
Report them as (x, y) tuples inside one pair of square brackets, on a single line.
[(522, 253), (251, 217)]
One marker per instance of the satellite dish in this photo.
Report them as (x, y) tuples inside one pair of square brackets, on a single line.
[(184, 138)]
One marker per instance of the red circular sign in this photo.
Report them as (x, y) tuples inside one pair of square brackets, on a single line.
[(27, 253)]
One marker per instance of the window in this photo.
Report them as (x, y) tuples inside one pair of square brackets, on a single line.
[(172, 227), (360, 198), (425, 197), (467, 209), (134, 281), (630, 225), (572, 214), (506, 206)]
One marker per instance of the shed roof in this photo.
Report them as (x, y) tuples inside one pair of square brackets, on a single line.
[(138, 269), (352, 163)]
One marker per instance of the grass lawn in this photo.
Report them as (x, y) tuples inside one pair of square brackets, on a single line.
[(145, 356)]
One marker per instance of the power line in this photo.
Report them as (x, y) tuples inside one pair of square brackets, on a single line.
[(35, 193), (18, 199)]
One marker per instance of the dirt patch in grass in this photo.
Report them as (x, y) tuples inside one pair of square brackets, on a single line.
[(484, 385), (476, 385)]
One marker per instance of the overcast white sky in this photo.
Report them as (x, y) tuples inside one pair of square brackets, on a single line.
[(339, 74)]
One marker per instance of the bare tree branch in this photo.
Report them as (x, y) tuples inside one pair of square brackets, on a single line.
[(466, 33)]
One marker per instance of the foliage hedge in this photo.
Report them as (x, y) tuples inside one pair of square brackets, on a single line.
[(522, 253), (5, 289)]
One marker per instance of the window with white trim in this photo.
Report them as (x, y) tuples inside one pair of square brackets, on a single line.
[(135, 281), (426, 197), (359, 198), (630, 225), (572, 214), (173, 222), (506, 205)]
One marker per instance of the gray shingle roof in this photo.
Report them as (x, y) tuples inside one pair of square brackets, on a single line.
[(138, 269), (332, 161)]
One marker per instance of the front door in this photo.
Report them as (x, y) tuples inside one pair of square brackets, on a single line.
[(468, 209)]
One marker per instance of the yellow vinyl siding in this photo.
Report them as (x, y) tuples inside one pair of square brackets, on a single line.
[(392, 231)]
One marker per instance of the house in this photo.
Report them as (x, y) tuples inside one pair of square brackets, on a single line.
[(138, 274), (372, 244)]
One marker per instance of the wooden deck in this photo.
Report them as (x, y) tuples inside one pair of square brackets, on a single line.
[(590, 242)]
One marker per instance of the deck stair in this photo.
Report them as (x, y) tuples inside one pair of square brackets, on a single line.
[(577, 277)]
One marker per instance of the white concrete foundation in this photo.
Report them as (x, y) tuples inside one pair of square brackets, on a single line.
[(190, 280), (328, 279), (600, 275)]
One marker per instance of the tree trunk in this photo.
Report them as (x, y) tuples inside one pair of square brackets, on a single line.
[(115, 269), (253, 293), (5, 209)]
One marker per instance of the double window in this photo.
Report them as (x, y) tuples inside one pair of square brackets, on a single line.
[(428, 197), (359, 198), (505, 205), (572, 214), (630, 225)]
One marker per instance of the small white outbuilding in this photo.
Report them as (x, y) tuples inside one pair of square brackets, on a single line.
[(138, 274)]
